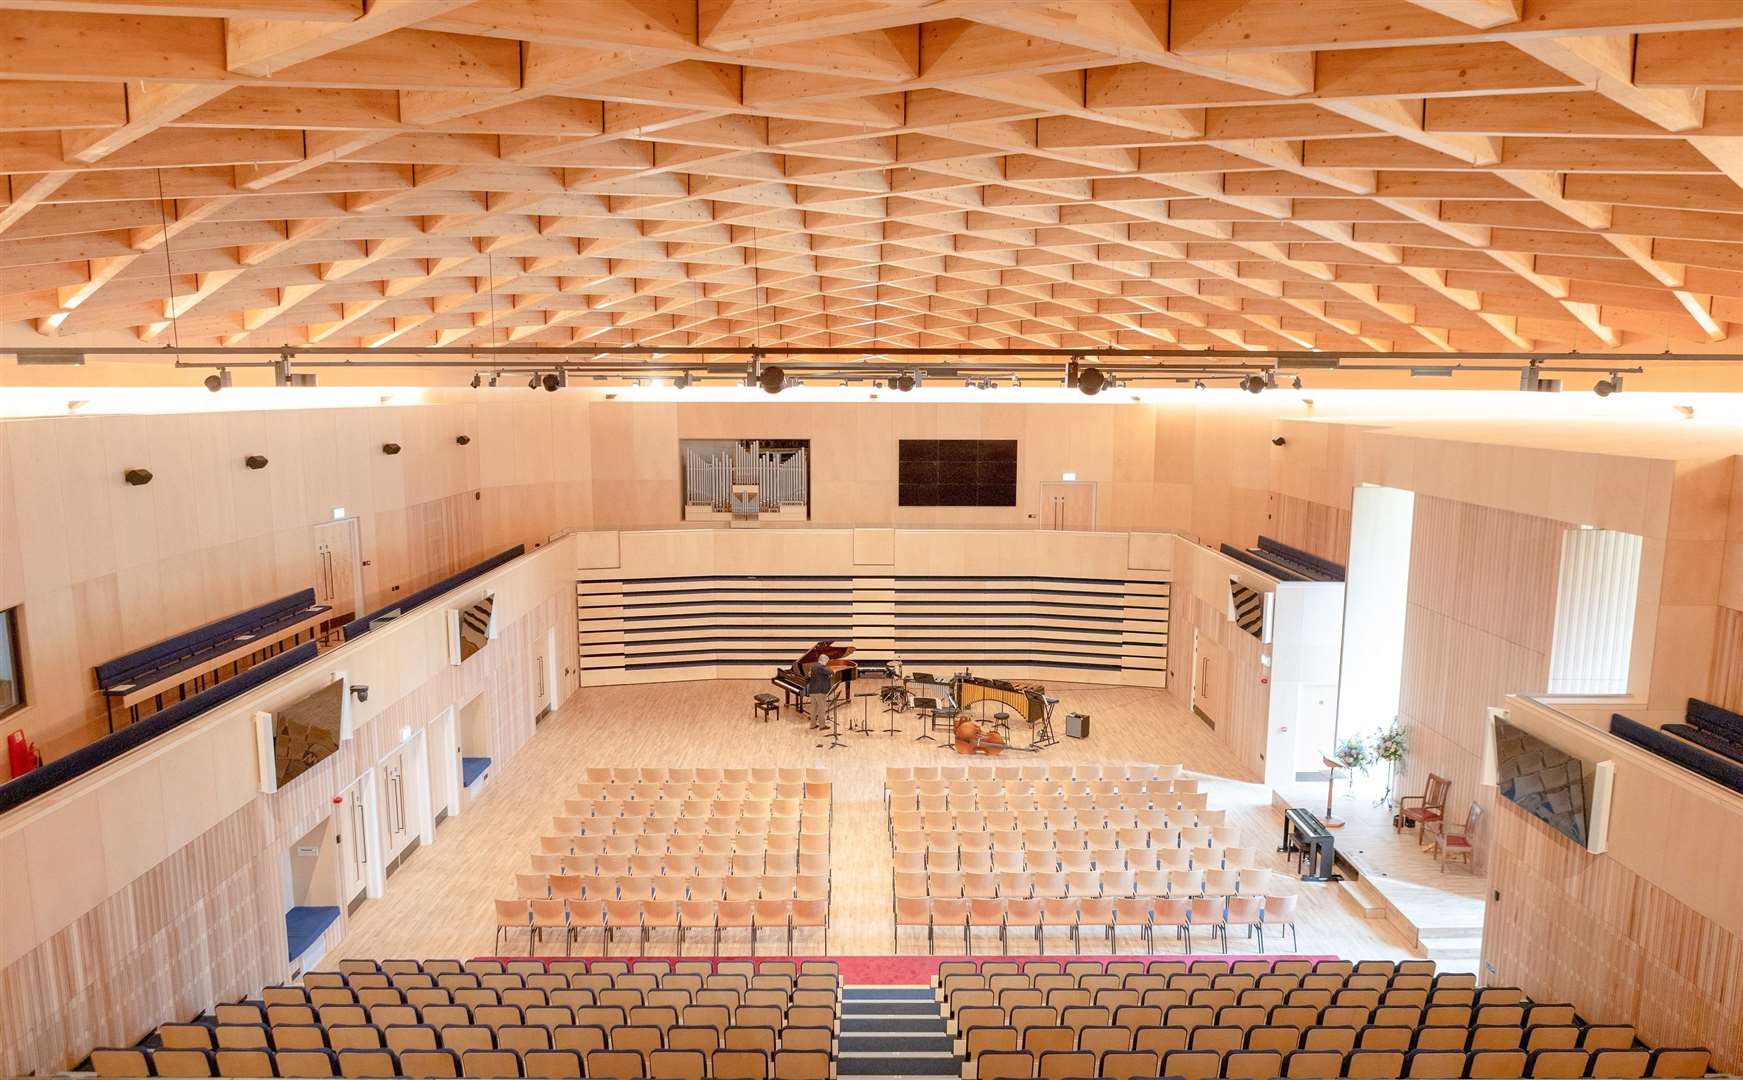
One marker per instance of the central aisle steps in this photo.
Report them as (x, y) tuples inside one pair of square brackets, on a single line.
[(891, 1031)]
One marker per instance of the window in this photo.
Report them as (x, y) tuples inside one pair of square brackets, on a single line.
[(11, 663), (1594, 612)]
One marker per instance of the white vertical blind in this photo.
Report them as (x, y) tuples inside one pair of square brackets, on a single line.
[(1594, 612)]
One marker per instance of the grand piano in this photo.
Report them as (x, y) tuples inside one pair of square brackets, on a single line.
[(793, 679)]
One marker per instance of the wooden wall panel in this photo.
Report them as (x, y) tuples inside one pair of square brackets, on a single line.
[(1726, 687), (101, 567), (1324, 530), (1198, 605), (203, 921), (1478, 625), (1585, 929)]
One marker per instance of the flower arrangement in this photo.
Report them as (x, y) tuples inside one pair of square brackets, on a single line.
[(1390, 745), (1352, 754)]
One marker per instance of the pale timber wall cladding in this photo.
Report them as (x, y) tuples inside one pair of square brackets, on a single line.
[(96, 954), (1648, 933), (101, 567), (1478, 624)]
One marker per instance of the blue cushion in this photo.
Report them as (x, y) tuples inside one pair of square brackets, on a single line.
[(163, 654), (1710, 717), (1718, 744), (109, 747), (1690, 757), (357, 627)]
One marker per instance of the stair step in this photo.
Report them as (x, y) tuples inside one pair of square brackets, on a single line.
[(887, 1065), (903, 1043), (869, 1024), (887, 993), (856, 1007)]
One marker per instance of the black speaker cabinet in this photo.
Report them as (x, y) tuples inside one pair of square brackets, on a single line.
[(1077, 725)]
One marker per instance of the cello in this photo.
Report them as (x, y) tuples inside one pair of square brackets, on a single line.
[(971, 738)]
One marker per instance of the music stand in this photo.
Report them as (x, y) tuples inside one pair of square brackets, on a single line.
[(922, 706), (834, 710), (864, 727)]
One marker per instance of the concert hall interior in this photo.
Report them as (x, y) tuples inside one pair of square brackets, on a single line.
[(806, 539)]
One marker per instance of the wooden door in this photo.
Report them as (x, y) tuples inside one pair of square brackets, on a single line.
[(1068, 504), (338, 571), (1207, 678)]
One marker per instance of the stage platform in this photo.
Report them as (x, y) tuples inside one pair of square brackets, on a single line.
[(1439, 910)]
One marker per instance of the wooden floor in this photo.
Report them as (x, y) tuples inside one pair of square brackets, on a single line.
[(438, 903)]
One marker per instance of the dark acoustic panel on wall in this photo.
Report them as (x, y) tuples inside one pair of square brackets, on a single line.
[(957, 472)]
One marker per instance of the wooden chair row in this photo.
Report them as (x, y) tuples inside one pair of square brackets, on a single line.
[(1210, 967), (1131, 771), (1080, 1032), (1329, 1064), (675, 791), (1131, 976), (810, 885), (1109, 878), (350, 971), (738, 1063), (1234, 1008), (1093, 824), (580, 853), (569, 918), (438, 1005), (1177, 804), (816, 1030), (655, 775), (724, 817), (1105, 915)]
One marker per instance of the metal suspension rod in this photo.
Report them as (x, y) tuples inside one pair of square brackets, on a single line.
[(1293, 357)]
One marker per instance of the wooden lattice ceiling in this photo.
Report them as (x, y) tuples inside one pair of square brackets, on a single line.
[(1466, 175)]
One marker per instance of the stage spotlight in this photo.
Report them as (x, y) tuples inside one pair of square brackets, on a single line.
[(1092, 381), (218, 382), (772, 379), (682, 381), (477, 380), (1606, 387), (905, 382), (1295, 383), (1198, 384), (533, 381), (493, 379)]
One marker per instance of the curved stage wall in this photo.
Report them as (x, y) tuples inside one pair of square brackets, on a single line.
[(697, 604)]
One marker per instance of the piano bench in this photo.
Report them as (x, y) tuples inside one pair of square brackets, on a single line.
[(765, 706)]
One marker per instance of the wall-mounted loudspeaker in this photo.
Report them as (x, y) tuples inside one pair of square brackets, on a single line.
[(390, 448), (137, 477), (254, 461)]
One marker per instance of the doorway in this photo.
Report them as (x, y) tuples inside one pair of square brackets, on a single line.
[(359, 848), (545, 677), (339, 568), (405, 801), (1068, 505), (1207, 674), (443, 768)]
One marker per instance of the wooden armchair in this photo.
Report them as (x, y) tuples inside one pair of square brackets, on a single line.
[(1430, 806), (1448, 840)]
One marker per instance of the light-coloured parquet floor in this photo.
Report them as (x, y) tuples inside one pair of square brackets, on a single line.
[(438, 903)]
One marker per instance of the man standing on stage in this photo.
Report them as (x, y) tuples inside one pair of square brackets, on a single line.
[(817, 687)]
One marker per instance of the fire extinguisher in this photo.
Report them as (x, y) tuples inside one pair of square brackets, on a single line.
[(21, 754)]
